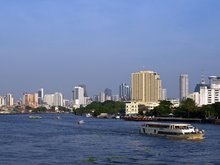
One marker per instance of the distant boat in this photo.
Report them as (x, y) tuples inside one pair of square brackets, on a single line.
[(58, 117), (88, 115), (35, 117), (80, 122), (117, 117)]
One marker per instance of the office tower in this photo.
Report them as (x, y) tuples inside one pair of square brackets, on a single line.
[(183, 86), (102, 97), (214, 82), (79, 95), (2, 101), (124, 92), (210, 94), (85, 91), (30, 99), (108, 94), (41, 96), (58, 99), (164, 94), (9, 100), (49, 99), (146, 87)]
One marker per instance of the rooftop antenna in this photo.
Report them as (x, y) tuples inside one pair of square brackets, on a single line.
[(202, 78)]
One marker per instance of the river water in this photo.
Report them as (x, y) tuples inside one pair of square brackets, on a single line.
[(50, 141)]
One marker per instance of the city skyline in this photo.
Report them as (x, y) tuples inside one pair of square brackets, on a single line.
[(57, 45)]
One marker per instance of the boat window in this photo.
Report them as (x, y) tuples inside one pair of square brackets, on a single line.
[(180, 127), (158, 126)]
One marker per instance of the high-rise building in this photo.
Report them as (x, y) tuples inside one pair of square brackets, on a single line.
[(9, 100), (164, 94), (184, 86), (41, 96), (209, 93), (214, 82), (146, 87), (125, 92), (102, 97), (30, 99), (49, 99), (85, 91), (79, 95), (58, 99), (108, 94), (2, 101)]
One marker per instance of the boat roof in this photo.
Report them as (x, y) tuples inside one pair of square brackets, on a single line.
[(160, 123)]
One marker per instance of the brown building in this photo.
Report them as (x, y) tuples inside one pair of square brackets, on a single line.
[(146, 87), (30, 99)]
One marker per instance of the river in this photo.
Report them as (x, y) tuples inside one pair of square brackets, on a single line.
[(49, 141)]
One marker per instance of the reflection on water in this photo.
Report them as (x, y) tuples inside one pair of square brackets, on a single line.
[(97, 141)]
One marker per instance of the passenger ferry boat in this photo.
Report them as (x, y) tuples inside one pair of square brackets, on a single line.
[(172, 130)]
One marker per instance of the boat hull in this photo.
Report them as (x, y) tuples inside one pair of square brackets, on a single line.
[(196, 136)]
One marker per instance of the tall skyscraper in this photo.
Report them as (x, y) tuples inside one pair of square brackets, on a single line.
[(184, 86), (124, 92), (108, 94), (58, 99), (9, 100), (146, 87), (41, 96), (79, 95), (164, 94)]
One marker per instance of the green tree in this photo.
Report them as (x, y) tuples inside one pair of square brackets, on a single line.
[(189, 106), (164, 108)]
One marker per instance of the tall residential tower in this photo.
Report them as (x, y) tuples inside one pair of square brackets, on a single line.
[(184, 86), (146, 87)]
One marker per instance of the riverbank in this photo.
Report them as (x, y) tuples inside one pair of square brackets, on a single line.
[(172, 119)]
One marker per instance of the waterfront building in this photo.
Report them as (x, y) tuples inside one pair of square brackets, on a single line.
[(207, 93), (2, 101), (41, 96), (196, 97), (184, 86), (79, 96), (125, 92), (49, 99), (115, 98), (9, 100), (108, 94), (102, 97), (58, 99), (146, 87), (131, 108), (175, 102), (30, 99), (164, 94)]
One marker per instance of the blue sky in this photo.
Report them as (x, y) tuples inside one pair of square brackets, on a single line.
[(58, 44)]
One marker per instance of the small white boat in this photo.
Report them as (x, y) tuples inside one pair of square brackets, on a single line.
[(117, 117), (88, 115), (35, 117), (80, 122), (172, 130)]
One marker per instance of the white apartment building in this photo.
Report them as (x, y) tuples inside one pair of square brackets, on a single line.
[(49, 99), (208, 94), (58, 99), (2, 101), (131, 108)]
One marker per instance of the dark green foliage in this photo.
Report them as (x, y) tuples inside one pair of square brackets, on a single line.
[(97, 108), (164, 109), (40, 110)]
